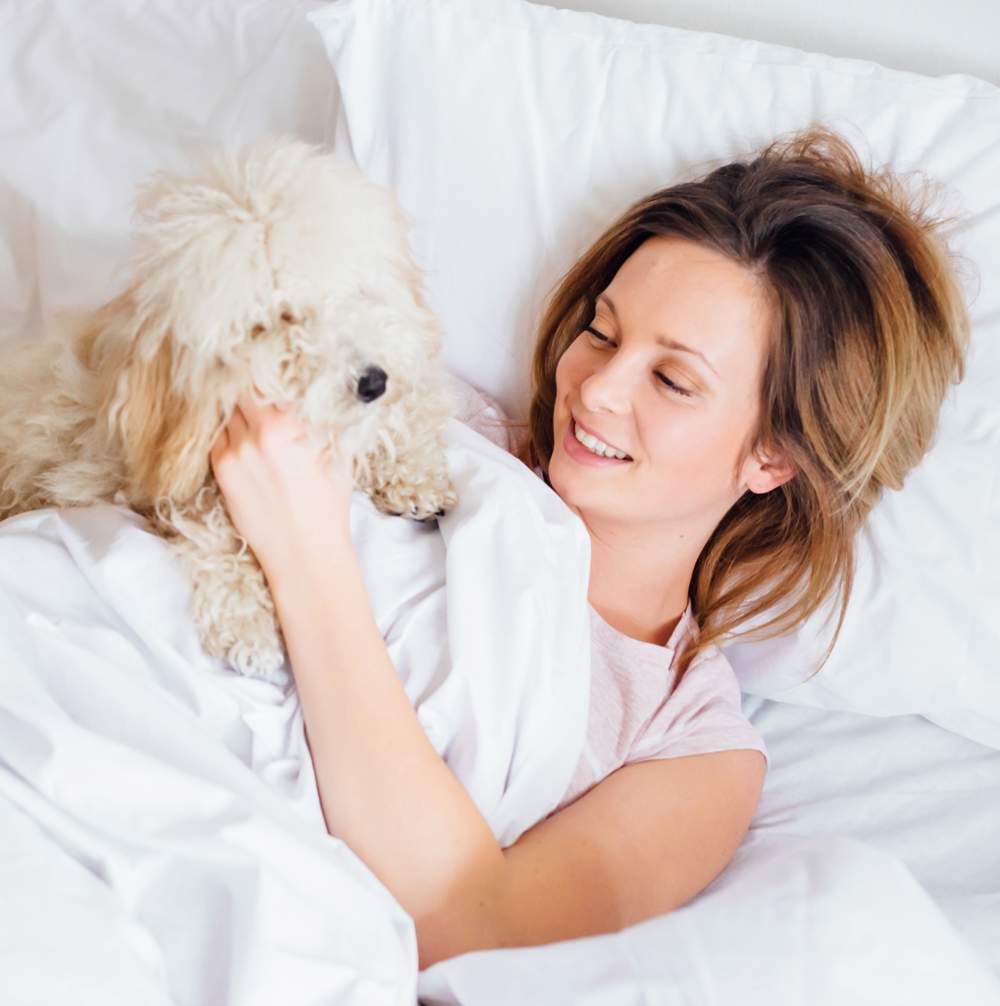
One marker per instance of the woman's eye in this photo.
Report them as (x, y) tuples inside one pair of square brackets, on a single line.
[(666, 380)]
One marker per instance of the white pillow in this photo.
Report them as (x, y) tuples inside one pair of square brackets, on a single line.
[(95, 97), (514, 133)]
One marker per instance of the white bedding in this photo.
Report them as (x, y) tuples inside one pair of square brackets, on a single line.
[(187, 791), (871, 875), (162, 840), (160, 836)]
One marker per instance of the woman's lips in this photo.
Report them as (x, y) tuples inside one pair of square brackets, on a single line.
[(579, 453), (595, 434)]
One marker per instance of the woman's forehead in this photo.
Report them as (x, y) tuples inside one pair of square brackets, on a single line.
[(675, 290)]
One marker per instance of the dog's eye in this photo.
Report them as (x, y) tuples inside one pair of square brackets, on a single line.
[(286, 317), (257, 330)]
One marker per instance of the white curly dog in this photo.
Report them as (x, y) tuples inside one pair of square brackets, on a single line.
[(279, 267)]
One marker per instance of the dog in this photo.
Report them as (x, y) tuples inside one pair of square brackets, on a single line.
[(279, 267)]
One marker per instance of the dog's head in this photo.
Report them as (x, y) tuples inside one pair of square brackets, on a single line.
[(280, 267)]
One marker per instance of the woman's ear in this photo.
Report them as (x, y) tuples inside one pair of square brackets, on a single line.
[(768, 469)]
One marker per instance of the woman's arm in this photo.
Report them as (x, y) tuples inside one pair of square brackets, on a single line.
[(383, 787), (640, 843)]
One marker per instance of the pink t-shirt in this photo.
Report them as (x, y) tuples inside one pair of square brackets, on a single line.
[(637, 710)]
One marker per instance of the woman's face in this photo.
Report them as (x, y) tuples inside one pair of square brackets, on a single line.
[(682, 416)]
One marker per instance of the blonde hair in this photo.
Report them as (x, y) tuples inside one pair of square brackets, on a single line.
[(870, 328)]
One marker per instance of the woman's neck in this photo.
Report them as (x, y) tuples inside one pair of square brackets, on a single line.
[(657, 633), (644, 602)]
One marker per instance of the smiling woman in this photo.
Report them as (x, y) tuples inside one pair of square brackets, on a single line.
[(782, 335), (763, 351), (640, 377)]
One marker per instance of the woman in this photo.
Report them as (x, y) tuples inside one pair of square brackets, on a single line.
[(764, 350)]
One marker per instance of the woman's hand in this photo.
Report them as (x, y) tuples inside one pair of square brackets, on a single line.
[(288, 499)]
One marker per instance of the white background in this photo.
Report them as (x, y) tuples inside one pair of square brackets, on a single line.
[(924, 36)]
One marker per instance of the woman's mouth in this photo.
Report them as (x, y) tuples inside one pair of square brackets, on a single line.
[(582, 454)]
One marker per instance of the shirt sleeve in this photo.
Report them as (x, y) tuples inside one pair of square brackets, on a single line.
[(702, 715)]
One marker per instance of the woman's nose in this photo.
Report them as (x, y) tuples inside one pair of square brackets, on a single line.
[(609, 388)]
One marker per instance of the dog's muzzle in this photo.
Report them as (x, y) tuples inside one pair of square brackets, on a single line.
[(371, 384)]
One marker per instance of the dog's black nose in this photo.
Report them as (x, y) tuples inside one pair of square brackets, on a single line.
[(371, 384)]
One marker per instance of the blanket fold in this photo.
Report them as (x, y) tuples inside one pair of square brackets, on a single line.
[(179, 795)]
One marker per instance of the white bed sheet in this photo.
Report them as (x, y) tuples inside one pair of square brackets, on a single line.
[(871, 874), (186, 790), (901, 784)]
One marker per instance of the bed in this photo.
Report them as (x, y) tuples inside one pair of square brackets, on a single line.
[(512, 133)]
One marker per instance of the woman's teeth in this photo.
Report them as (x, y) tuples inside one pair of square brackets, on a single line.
[(596, 446)]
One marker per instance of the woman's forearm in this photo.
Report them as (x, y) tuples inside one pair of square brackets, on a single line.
[(384, 789)]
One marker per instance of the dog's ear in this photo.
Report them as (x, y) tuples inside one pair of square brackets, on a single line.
[(164, 425), (201, 259)]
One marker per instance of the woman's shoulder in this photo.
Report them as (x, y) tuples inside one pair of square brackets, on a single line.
[(702, 714), (711, 672)]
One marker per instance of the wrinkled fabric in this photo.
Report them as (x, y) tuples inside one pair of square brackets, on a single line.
[(173, 801)]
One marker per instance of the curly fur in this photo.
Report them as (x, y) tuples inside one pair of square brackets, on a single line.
[(279, 267)]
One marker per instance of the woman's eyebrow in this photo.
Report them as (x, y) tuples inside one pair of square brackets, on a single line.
[(661, 339)]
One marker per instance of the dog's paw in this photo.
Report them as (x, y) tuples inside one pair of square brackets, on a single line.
[(415, 513), (248, 641), (262, 662), (426, 503), (427, 518)]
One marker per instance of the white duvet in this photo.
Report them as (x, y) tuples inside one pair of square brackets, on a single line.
[(870, 877), (162, 810), (160, 833), (161, 839)]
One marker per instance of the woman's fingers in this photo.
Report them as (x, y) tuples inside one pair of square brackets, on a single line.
[(238, 426), (222, 440), (247, 404), (252, 411), (219, 449), (252, 420)]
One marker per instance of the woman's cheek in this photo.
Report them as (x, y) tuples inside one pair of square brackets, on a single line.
[(694, 452)]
